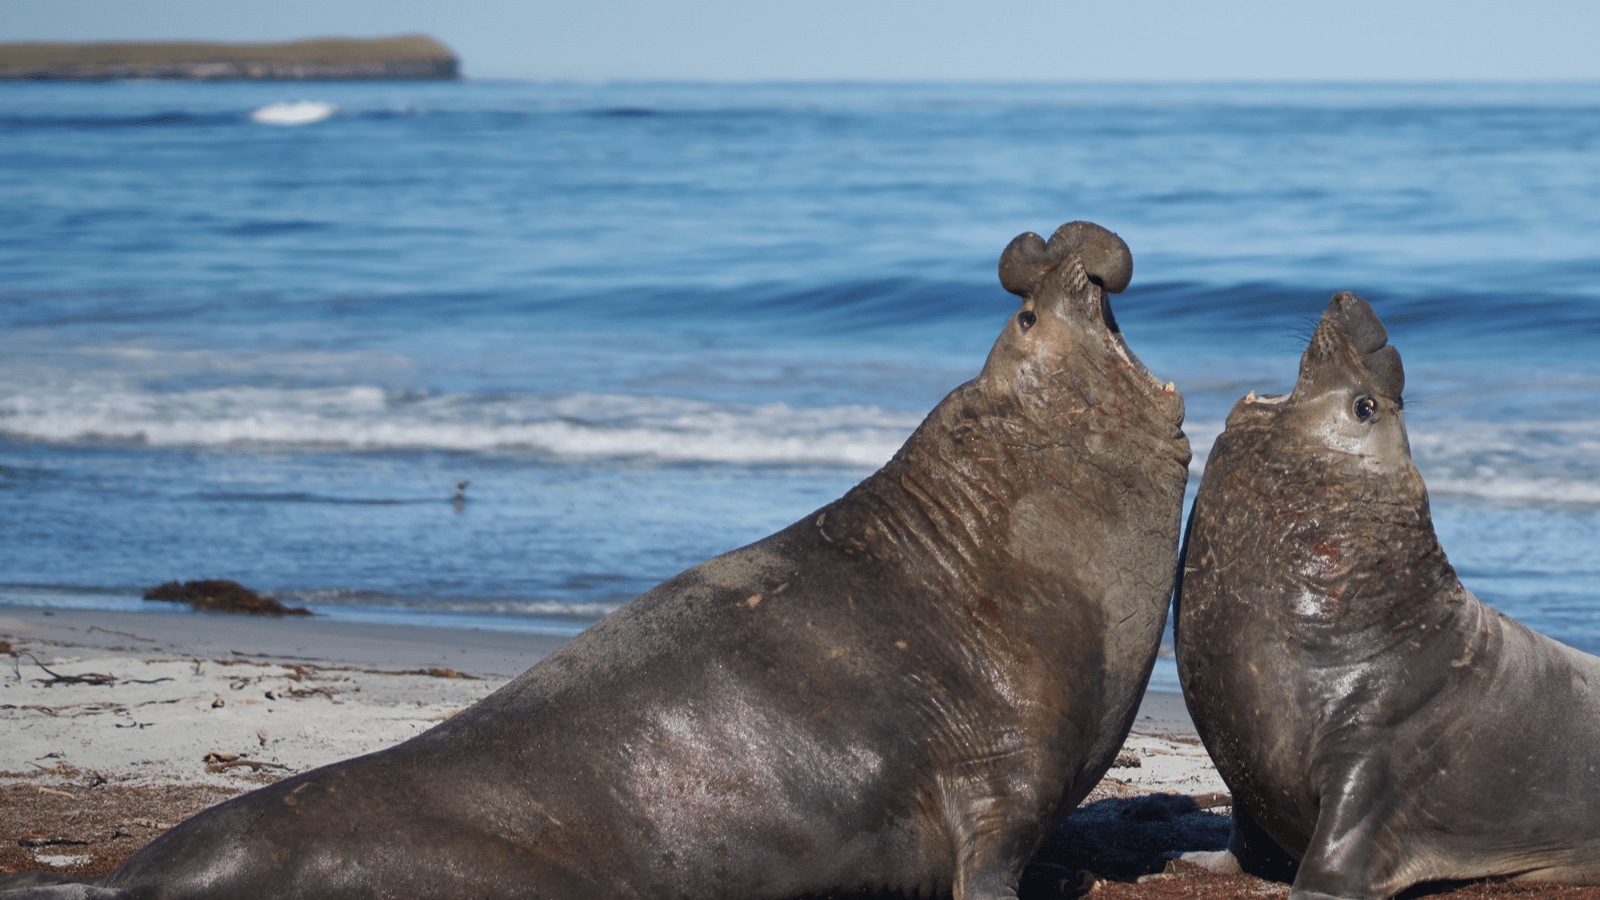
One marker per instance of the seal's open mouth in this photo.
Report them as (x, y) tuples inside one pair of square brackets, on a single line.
[(1120, 344), (1106, 315)]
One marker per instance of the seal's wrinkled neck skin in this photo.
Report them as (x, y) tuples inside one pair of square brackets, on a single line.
[(1062, 413), (1322, 481), (1063, 425), (1016, 558)]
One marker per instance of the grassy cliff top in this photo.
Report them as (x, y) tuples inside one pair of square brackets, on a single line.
[(315, 51)]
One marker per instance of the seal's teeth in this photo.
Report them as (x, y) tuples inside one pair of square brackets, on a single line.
[(1251, 398)]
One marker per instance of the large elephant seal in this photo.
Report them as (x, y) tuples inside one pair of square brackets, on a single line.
[(902, 693), (1371, 716)]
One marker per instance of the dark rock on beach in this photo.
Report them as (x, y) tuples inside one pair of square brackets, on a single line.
[(222, 595), (412, 56)]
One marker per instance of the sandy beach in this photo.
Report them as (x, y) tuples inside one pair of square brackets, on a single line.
[(119, 725)]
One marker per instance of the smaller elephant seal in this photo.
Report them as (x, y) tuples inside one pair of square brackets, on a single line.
[(1373, 719), (903, 693)]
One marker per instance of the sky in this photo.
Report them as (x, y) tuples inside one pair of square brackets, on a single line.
[(919, 40)]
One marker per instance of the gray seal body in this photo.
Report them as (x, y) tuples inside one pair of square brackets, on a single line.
[(902, 693), (1374, 720)]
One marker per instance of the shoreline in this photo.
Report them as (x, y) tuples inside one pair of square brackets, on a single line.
[(482, 653)]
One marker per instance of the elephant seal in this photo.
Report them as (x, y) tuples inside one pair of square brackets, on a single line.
[(902, 693), (1372, 717)]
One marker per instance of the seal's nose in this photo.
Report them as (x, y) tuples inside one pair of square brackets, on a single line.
[(1361, 326), (1105, 257), (1349, 320), (1028, 259)]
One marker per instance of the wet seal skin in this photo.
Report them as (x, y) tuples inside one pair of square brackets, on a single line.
[(1374, 720), (903, 693)]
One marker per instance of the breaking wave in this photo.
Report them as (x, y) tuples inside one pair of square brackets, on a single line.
[(581, 426)]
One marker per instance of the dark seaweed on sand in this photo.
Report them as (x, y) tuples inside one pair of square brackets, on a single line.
[(222, 595)]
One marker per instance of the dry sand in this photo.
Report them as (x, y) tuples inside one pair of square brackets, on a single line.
[(118, 725)]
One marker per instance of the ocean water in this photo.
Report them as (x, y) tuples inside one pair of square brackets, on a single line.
[(650, 323)]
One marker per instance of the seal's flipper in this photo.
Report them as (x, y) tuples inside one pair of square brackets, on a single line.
[(1254, 851), (1355, 851), (990, 854), (1250, 850)]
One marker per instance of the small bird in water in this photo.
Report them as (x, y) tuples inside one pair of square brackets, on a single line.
[(461, 493)]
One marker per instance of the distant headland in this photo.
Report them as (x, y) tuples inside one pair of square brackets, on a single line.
[(412, 56)]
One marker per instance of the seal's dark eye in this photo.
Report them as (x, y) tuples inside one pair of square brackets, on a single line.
[(1026, 318), (1366, 408)]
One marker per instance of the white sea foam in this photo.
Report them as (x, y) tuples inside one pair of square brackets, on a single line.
[(1539, 462), (1536, 491), (363, 417)]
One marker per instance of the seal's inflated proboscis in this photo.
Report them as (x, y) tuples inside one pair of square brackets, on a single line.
[(1371, 716), (902, 693)]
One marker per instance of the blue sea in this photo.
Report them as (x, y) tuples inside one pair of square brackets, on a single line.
[(650, 323)]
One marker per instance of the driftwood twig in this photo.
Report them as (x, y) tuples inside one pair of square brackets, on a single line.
[(217, 762), (96, 678)]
